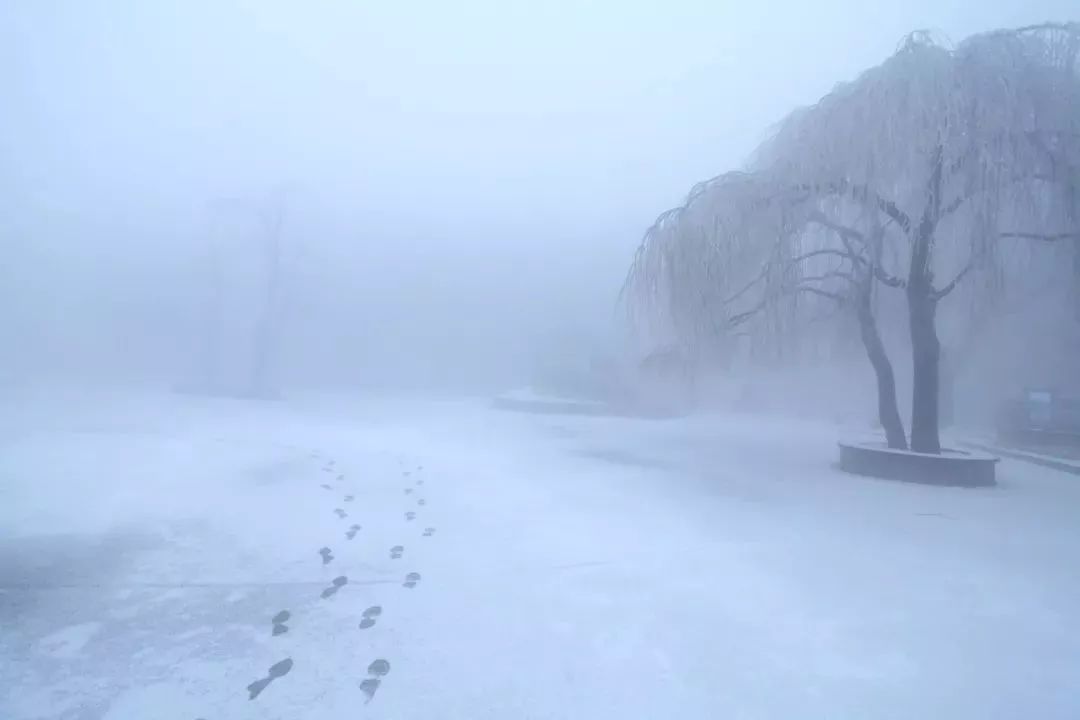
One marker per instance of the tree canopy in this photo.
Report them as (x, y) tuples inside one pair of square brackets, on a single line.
[(938, 165)]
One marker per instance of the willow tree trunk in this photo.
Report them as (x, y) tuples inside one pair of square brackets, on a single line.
[(888, 412), (922, 309), (926, 354)]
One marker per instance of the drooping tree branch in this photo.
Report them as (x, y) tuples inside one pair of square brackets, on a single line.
[(832, 275)]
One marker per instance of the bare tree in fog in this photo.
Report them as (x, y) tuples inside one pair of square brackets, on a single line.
[(269, 214), (927, 157), (272, 217)]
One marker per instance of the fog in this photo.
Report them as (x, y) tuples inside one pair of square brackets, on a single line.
[(462, 185), (347, 370)]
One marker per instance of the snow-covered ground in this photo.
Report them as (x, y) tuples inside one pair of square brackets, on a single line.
[(569, 567)]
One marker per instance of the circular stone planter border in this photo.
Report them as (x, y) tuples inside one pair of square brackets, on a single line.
[(955, 468)]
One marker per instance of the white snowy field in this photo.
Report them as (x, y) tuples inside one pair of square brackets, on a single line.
[(576, 567)]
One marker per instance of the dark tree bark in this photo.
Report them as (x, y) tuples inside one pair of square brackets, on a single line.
[(888, 412), (926, 354), (861, 278), (922, 312)]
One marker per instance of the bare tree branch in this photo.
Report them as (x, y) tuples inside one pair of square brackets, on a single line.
[(835, 274), (829, 252), (740, 318), (1041, 236), (823, 293), (887, 279), (957, 202), (758, 278), (892, 211), (845, 232), (939, 294), (862, 193), (955, 205)]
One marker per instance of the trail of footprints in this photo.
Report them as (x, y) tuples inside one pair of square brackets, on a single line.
[(378, 669)]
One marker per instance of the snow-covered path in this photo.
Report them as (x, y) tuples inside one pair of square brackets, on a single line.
[(567, 567)]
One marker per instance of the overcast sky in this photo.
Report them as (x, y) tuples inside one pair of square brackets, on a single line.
[(416, 138)]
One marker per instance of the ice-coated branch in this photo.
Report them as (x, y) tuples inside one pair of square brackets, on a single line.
[(887, 279), (939, 294), (1044, 237), (832, 252), (822, 293), (831, 275)]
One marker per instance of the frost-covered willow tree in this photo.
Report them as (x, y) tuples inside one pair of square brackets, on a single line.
[(750, 255), (690, 283), (932, 160), (949, 146)]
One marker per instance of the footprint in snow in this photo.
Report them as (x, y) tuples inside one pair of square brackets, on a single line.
[(326, 554), (324, 486), (408, 491), (336, 584), (411, 580), (395, 552), (410, 515), (278, 622), (351, 533), (377, 670), (341, 477), (421, 502), (420, 482), (370, 616), (278, 669), (428, 532), (406, 473), (349, 498), (341, 513)]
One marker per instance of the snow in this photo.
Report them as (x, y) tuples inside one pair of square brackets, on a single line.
[(579, 567), (533, 396), (1064, 458)]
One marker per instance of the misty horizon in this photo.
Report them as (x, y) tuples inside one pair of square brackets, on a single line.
[(464, 188)]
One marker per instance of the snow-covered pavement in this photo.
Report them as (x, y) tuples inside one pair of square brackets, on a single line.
[(565, 567)]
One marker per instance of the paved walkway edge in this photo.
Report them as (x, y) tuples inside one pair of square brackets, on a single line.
[(1043, 460)]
